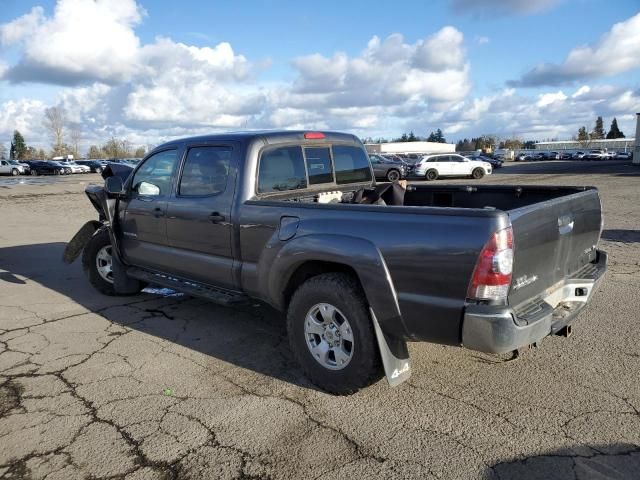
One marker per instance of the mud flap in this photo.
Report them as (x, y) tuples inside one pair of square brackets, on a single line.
[(394, 354), (79, 241), (123, 284)]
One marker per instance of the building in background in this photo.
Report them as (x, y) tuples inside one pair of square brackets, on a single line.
[(618, 145), (410, 147)]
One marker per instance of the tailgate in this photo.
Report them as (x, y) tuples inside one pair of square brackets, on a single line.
[(552, 241)]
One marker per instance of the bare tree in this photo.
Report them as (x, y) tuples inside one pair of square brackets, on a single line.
[(75, 135), (55, 123), (3, 151)]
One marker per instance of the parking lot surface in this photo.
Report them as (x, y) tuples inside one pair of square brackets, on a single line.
[(159, 386)]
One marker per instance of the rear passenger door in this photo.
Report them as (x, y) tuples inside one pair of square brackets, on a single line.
[(199, 225)]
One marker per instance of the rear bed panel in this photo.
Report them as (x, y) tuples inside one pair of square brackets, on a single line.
[(553, 240)]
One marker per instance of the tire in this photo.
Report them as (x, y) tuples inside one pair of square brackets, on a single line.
[(99, 170), (477, 173), (59, 172), (393, 175), (431, 175), (350, 315), (15, 172), (94, 253), (34, 173)]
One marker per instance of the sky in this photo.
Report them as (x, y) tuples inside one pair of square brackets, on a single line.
[(151, 70)]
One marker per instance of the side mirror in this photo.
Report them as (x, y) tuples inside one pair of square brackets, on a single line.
[(113, 185)]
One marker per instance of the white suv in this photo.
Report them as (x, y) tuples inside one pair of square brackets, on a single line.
[(450, 165)]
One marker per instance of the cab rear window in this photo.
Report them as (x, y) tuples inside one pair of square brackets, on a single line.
[(281, 169), (351, 164)]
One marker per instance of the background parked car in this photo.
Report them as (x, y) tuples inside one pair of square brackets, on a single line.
[(595, 155), (624, 156), (578, 156), (433, 166), (540, 156), (566, 156), (7, 168), (38, 167), (66, 168), (94, 165), (495, 162), (387, 168)]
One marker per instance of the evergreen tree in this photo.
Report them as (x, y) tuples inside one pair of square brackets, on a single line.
[(598, 130), (614, 131), (18, 146), (412, 137), (583, 136), (404, 138)]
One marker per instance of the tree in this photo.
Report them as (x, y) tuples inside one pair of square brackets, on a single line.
[(412, 137), (529, 144), (31, 153), (140, 152), (75, 135), (41, 154), (598, 130), (512, 144), (55, 124), (436, 137), (18, 147), (583, 136), (614, 131), (404, 138), (3, 151), (94, 152)]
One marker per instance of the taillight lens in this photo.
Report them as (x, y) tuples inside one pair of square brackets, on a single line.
[(492, 276)]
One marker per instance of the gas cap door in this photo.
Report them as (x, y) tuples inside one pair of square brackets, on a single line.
[(288, 228)]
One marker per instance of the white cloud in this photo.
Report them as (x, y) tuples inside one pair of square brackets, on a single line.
[(615, 52), (549, 98), (83, 40), (24, 115)]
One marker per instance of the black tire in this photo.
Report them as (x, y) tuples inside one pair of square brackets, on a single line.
[(15, 172), (98, 170), (393, 175), (477, 173), (431, 175), (34, 172), (98, 241), (59, 172), (343, 292)]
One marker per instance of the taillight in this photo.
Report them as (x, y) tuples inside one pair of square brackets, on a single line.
[(492, 275)]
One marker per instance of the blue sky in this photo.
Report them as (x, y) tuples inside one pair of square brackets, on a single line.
[(466, 66)]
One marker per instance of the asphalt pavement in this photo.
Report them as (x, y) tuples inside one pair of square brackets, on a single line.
[(161, 386)]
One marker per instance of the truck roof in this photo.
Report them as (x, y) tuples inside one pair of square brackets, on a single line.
[(269, 137)]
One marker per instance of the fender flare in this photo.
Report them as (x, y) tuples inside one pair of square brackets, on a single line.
[(278, 265)]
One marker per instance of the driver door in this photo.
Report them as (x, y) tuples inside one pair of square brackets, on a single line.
[(143, 213)]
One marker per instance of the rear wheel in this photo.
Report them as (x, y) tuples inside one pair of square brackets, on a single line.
[(331, 334), (477, 173), (393, 175), (34, 172), (431, 175)]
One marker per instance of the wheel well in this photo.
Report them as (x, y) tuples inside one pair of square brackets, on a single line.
[(311, 269)]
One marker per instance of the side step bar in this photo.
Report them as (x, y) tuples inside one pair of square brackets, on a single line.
[(216, 295)]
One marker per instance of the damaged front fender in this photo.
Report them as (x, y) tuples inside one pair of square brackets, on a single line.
[(79, 241)]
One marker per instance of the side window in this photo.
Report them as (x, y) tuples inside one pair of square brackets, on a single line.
[(351, 164), (281, 169), (205, 171), (4, 163), (154, 175), (318, 165)]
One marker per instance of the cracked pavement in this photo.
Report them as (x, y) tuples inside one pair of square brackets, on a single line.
[(168, 387)]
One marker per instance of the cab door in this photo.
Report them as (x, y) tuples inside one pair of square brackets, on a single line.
[(143, 211), (199, 225)]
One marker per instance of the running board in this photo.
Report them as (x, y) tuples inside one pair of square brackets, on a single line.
[(216, 295)]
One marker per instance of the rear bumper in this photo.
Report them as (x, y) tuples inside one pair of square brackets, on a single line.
[(502, 329)]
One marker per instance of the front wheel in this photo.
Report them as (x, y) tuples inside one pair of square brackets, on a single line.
[(98, 170), (15, 172), (331, 334), (97, 262), (477, 173), (34, 173)]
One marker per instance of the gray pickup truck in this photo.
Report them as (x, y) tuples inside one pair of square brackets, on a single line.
[(295, 220)]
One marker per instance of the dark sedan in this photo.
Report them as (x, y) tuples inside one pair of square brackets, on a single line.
[(94, 165), (39, 167)]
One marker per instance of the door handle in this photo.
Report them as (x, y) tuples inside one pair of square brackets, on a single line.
[(215, 217), (157, 212)]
